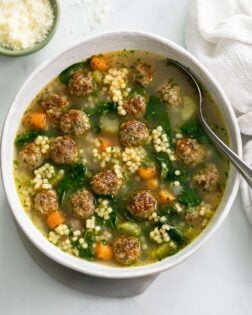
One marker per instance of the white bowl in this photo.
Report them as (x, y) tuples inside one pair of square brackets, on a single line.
[(50, 69)]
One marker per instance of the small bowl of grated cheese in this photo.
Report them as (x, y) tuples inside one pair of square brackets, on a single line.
[(27, 25)]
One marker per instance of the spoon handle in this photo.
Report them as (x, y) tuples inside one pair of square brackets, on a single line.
[(244, 169)]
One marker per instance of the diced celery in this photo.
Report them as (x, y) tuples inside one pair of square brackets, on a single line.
[(98, 76), (161, 251), (109, 123), (129, 228), (189, 108)]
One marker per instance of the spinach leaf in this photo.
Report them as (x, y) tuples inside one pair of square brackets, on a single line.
[(171, 214), (157, 114), (103, 109), (27, 137), (193, 129), (177, 236), (88, 252), (138, 90), (73, 180), (163, 163), (65, 75), (111, 222), (100, 110), (189, 198)]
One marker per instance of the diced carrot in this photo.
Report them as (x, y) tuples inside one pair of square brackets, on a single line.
[(146, 172), (166, 196), (54, 219), (99, 63), (36, 120), (152, 183), (104, 251), (104, 144)]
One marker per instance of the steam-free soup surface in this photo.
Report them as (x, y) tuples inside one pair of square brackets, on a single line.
[(112, 164)]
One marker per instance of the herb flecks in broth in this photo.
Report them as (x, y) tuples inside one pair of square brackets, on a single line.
[(112, 164)]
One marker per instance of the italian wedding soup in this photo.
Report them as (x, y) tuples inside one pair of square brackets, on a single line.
[(112, 164)]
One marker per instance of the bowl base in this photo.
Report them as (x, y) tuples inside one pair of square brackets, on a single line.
[(86, 283)]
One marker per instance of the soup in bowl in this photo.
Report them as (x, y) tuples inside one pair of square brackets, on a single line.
[(111, 165)]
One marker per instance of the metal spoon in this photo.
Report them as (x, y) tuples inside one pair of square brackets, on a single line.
[(241, 166)]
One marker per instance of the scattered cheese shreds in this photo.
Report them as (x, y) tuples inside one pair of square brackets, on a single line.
[(24, 23)]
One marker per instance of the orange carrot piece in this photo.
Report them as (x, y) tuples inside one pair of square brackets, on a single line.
[(152, 183), (36, 120), (166, 196), (99, 63), (104, 144), (54, 219), (146, 172), (104, 251)]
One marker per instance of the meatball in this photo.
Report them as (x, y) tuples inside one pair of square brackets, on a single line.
[(189, 151), (135, 106), (81, 84), (54, 104), (143, 73), (126, 250), (106, 183), (198, 215), (31, 156), (83, 204), (170, 93), (133, 133), (63, 150), (46, 201), (207, 178), (75, 122), (142, 204)]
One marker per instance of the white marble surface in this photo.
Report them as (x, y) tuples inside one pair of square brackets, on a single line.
[(216, 280)]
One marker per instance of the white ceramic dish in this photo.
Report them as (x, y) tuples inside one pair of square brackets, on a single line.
[(50, 69)]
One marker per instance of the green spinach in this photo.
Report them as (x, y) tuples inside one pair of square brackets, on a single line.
[(189, 198), (65, 75), (27, 137), (193, 129), (74, 179), (177, 236), (88, 252)]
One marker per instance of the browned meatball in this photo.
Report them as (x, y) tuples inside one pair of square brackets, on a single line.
[(31, 156), (126, 250), (189, 151), (193, 217), (53, 105), (63, 150), (83, 204), (135, 106), (143, 73), (142, 204), (106, 183), (207, 178), (133, 133), (46, 201), (198, 215), (81, 84), (170, 93), (74, 122)]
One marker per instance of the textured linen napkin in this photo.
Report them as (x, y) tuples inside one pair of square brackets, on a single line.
[(219, 34)]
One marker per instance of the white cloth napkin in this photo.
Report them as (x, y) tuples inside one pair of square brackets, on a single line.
[(219, 34)]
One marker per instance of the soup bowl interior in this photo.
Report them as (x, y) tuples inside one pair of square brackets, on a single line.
[(46, 72)]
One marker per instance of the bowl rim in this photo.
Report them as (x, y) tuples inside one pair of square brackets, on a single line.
[(92, 268), (27, 51)]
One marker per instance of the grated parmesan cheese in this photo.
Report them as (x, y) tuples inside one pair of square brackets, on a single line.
[(24, 23)]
